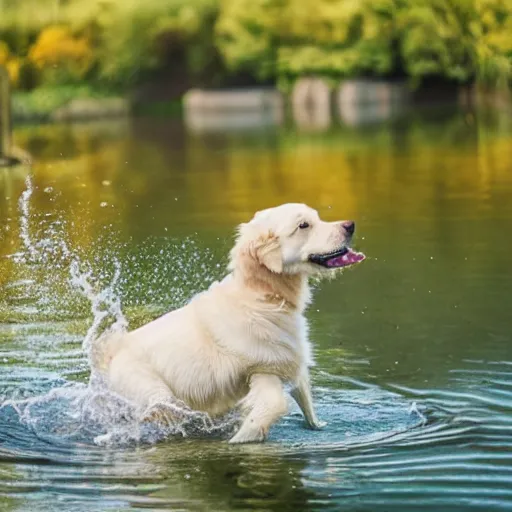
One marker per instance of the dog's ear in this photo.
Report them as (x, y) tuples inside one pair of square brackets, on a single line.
[(268, 252), (261, 248)]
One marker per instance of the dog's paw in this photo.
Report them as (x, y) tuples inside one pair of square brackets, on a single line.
[(317, 425), (248, 436), (159, 415)]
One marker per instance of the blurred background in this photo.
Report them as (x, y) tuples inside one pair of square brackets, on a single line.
[(156, 50)]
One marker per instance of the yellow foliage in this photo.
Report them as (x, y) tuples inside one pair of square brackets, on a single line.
[(13, 68), (57, 48), (11, 63)]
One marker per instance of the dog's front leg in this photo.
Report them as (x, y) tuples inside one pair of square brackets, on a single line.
[(302, 395), (264, 405)]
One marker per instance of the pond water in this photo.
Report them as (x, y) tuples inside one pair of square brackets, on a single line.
[(117, 222)]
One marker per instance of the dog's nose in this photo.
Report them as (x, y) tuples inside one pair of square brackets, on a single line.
[(349, 226)]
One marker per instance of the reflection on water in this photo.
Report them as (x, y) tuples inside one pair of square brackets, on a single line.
[(313, 105), (413, 348), (204, 122)]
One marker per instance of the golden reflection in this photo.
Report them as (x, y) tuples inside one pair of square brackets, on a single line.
[(128, 178)]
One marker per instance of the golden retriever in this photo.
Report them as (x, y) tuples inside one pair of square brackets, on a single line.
[(240, 341)]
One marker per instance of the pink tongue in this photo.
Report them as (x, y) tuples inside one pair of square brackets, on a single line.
[(349, 258)]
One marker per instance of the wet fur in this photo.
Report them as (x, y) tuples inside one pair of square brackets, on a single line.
[(235, 344)]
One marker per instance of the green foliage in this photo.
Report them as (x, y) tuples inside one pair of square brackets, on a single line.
[(155, 35), (296, 37), (129, 39), (246, 34), (346, 38), (459, 40), (43, 101), (201, 42)]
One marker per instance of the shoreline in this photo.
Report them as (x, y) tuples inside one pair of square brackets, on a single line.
[(44, 105)]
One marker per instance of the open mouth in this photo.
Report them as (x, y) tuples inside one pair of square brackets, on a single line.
[(341, 258)]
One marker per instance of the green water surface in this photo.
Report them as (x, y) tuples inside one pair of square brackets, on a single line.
[(413, 347)]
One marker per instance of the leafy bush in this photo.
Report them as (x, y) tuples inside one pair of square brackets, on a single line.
[(246, 35), (201, 42), (458, 40), (158, 35), (461, 40), (42, 101), (60, 56)]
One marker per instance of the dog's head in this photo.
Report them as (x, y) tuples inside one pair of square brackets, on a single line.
[(292, 239)]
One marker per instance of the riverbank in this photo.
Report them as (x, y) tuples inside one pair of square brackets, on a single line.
[(66, 103), (82, 103)]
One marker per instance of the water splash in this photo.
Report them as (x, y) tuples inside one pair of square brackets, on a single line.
[(61, 281), (91, 412), (104, 303), (24, 206)]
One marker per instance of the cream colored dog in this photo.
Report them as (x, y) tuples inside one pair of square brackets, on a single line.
[(238, 342)]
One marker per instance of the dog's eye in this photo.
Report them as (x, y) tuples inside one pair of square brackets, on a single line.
[(304, 225)]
